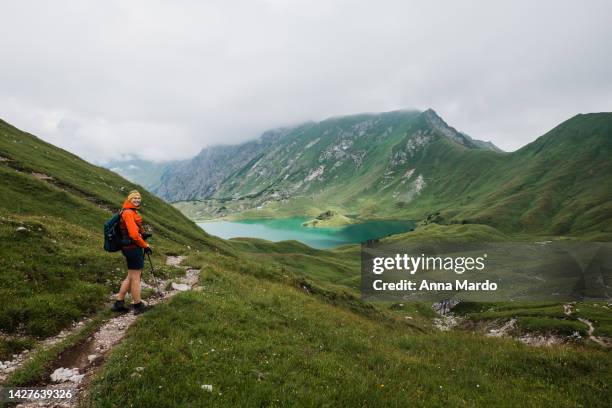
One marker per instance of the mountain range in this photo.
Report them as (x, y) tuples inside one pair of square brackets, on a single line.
[(306, 159), (406, 165)]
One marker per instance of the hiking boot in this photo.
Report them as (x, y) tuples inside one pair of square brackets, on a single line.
[(119, 307), (140, 308)]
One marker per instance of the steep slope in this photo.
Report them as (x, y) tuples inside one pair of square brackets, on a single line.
[(305, 160), (52, 209), (559, 184), (208, 172), (411, 164), (257, 343), (301, 161)]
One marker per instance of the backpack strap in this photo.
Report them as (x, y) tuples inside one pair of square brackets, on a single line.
[(126, 240), (126, 209)]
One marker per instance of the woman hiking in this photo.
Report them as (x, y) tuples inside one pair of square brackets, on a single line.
[(134, 233)]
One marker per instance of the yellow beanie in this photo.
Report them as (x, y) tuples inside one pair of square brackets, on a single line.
[(133, 194)]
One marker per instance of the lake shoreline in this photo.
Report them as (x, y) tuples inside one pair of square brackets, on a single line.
[(292, 228)]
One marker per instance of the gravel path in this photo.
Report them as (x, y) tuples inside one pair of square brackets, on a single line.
[(77, 366)]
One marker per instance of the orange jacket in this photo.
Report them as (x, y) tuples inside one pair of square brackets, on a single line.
[(131, 222)]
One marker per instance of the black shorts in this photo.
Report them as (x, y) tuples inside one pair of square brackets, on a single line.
[(134, 257)]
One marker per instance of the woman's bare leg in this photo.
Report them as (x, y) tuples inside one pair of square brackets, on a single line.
[(134, 277), (125, 286)]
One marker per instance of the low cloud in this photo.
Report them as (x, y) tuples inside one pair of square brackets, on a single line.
[(161, 80)]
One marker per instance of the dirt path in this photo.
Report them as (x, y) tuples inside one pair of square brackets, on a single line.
[(447, 321), (567, 309), (7, 367), (77, 366)]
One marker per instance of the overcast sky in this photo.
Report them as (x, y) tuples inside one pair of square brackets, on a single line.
[(162, 79)]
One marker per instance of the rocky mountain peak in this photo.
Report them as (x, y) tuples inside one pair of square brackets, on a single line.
[(439, 125)]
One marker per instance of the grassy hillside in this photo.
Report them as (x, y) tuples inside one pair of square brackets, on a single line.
[(275, 324), (52, 209), (339, 270), (260, 342), (560, 184)]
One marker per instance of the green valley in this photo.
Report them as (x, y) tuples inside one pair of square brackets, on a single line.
[(274, 323), (408, 165)]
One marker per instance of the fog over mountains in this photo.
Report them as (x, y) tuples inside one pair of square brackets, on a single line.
[(307, 158), (402, 164)]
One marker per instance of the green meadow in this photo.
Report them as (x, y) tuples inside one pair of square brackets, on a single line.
[(274, 325)]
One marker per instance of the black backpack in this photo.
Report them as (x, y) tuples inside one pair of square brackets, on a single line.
[(114, 238)]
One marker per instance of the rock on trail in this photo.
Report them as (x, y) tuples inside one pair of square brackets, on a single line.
[(175, 260), (67, 374), (181, 287)]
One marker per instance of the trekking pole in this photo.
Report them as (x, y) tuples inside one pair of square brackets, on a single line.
[(151, 263), (157, 289)]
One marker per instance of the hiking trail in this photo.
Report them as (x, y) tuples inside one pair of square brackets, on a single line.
[(567, 310), (76, 366)]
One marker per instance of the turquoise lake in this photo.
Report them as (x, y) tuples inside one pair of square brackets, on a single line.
[(283, 229)]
